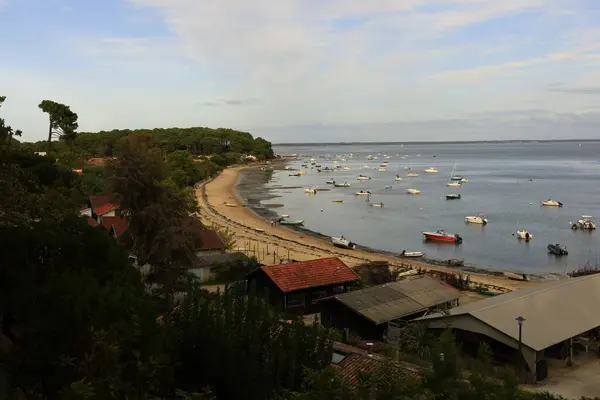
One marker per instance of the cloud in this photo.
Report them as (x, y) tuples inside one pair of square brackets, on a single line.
[(230, 102), (580, 90)]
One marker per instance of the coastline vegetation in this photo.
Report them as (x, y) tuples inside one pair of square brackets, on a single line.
[(77, 321)]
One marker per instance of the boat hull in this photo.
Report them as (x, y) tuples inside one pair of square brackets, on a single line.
[(343, 243), (476, 220), (437, 237)]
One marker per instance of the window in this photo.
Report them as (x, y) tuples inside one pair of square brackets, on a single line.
[(295, 299), (318, 295)]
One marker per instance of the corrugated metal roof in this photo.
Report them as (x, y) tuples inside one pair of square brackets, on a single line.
[(554, 311), (384, 303)]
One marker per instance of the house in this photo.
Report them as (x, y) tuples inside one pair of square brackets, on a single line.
[(298, 287), (40, 153), (559, 318), (352, 362), (98, 207), (98, 161), (117, 226), (368, 312)]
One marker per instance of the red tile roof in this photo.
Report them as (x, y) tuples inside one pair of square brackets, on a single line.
[(118, 224), (204, 239), (92, 222), (103, 209), (354, 364), (98, 201), (307, 274)]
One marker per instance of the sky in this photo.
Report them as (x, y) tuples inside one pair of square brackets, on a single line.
[(308, 70)]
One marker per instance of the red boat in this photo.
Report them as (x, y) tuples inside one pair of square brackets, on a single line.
[(442, 236)]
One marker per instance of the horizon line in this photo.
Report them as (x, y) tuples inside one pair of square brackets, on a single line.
[(439, 142)]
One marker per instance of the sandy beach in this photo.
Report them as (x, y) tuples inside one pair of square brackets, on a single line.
[(220, 206)]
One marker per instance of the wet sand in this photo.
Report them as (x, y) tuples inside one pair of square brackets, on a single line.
[(221, 206)]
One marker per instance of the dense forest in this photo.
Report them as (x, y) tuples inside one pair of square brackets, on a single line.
[(78, 322)]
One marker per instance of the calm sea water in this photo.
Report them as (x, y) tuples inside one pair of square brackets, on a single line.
[(499, 186)]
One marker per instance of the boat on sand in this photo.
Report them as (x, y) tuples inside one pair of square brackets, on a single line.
[(342, 242)]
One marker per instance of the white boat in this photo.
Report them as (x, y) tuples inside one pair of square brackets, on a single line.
[(476, 219), (381, 169), (380, 205), (345, 184), (363, 193), (361, 177), (397, 178), (284, 216), (387, 187), (453, 182), (346, 168), (411, 175), (463, 180), (431, 170), (586, 222), (310, 191), (413, 191), (412, 254), (523, 234), (342, 242), (551, 203), (330, 182)]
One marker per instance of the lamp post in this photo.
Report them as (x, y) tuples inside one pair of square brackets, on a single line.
[(520, 321)]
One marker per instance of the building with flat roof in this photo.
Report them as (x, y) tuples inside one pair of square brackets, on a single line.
[(558, 315)]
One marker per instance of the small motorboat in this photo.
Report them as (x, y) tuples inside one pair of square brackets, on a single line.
[(380, 205), (453, 196), (476, 219), (412, 175), (453, 184), (345, 184), (326, 169), (463, 180), (443, 236), (412, 254), (297, 222), (456, 178), (431, 170), (397, 178), (413, 191), (337, 201), (330, 182), (388, 187), (525, 235), (557, 249), (515, 277), (363, 193), (586, 222), (342, 242), (310, 191), (295, 174), (361, 177), (551, 203), (455, 262), (381, 169)]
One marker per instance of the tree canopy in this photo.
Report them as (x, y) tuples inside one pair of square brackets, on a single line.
[(62, 122)]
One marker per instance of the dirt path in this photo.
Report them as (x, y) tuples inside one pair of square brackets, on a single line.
[(273, 244)]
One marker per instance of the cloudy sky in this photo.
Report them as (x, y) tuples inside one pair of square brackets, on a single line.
[(308, 70)]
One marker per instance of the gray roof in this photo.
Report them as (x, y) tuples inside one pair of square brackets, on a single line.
[(554, 311), (384, 303)]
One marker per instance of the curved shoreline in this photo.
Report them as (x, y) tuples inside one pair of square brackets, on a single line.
[(220, 205)]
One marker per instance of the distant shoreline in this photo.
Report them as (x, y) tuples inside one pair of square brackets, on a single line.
[(437, 142)]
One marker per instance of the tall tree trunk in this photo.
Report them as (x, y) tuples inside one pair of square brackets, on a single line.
[(50, 136)]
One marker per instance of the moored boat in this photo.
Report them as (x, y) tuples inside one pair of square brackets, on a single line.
[(476, 219), (295, 174), (381, 169), (412, 175), (525, 235), (397, 178), (443, 236), (330, 182), (586, 222), (557, 249), (363, 193), (453, 196), (337, 201), (361, 177), (297, 222), (342, 242), (310, 191), (431, 170), (413, 191), (376, 205), (345, 184), (453, 184), (456, 178), (551, 203), (412, 254)]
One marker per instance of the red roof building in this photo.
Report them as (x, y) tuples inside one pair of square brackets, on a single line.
[(116, 226), (300, 286)]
